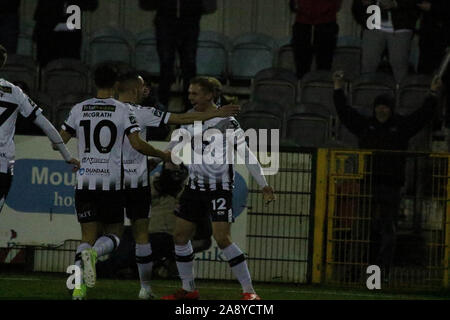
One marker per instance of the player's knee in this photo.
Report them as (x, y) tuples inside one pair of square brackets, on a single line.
[(141, 237), (180, 237), (223, 240)]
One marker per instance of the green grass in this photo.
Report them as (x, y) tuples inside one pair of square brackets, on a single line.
[(38, 286)]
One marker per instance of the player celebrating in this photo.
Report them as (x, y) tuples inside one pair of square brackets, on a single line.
[(136, 181), (100, 125), (12, 101), (209, 191)]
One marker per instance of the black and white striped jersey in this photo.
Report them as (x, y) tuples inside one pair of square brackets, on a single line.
[(135, 163), (12, 101), (214, 176), (100, 126)]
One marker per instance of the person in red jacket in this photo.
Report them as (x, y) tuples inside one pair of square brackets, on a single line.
[(318, 16)]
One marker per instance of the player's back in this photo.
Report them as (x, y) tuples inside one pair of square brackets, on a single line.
[(12, 101), (100, 126)]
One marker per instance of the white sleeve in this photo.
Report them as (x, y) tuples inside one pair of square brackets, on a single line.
[(27, 107), (251, 162), (151, 117), (131, 125), (53, 135)]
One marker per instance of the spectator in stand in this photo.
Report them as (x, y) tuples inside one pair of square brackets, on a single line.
[(316, 17), (9, 24), (434, 34), (398, 21), (385, 132), (53, 39), (177, 25)]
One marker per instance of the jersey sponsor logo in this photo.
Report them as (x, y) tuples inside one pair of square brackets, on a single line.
[(6, 89), (133, 161), (92, 160), (97, 114), (130, 170), (94, 107), (94, 172)]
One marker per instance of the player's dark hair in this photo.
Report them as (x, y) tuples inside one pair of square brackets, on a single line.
[(105, 76), (208, 85), (127, 81), (3, 56)]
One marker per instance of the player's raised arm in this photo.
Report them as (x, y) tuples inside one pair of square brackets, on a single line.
[(190, 117)]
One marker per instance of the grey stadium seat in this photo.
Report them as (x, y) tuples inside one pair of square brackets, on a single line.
[(370, 85), (20, 68), (274, 85), (64, 76)]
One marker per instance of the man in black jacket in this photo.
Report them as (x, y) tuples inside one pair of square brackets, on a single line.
[(53, 39), (385, 132), (177, 25)]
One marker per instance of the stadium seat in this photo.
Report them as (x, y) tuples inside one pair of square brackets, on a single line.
[(412, 93), (212, 54), (147, 58), (64, 76), (275, 85), (251, 53), (109, 44), (318, 87), (309, 125), (20, 68), (259, 115), (65, 104), (285, 58), (368, 86), (348, 59)]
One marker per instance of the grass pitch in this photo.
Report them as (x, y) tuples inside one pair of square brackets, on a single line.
[(39, 286)]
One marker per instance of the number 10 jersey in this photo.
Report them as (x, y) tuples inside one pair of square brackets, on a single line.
[(100, 126)]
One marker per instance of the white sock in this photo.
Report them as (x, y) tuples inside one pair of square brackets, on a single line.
[(106, 244), (144, 261), (238, 265), (184, 256), (78, 261)]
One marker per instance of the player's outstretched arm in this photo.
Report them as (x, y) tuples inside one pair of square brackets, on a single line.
[(189, 117), (56, 139), (255, 169), (145, 148)]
